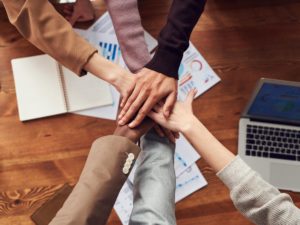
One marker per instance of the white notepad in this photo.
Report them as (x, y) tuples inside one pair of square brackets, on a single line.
[(44, 88)]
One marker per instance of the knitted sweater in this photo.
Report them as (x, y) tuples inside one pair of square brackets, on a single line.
[(256, 199)]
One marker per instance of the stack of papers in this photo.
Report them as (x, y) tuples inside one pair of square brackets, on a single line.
[(194, 72)]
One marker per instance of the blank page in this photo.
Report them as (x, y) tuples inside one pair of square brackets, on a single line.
[(38, 87), (85, 92)]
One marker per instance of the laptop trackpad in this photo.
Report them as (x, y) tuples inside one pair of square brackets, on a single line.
[(285, 176)]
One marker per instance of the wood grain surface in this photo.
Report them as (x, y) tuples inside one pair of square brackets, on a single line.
[(242, 40)]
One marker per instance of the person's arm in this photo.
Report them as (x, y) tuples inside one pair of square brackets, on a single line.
[(154, 86), (154, 182), (174, 38), (149, 84), (130, 33), (102, 178), (94, 195), (44, 27), (253, 197)]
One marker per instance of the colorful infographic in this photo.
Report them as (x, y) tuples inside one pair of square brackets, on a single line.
[(194, 72)]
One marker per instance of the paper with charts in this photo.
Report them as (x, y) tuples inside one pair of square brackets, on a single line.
[(188, 179), (195, 72), (188, 182), (185, 155)]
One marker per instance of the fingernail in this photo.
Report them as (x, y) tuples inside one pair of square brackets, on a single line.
[(121, 122), (131, 125)]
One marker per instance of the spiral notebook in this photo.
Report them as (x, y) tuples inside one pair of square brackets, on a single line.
[(45, 88)]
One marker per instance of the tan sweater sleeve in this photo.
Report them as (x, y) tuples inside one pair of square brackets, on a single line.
[(256, 199), (100, 182), (44, 27)]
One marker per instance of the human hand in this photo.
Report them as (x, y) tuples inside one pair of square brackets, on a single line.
[(120, 78), (134, 134), (150, 87), (181, 118), (81, 11), (124, 82), (163, 132)]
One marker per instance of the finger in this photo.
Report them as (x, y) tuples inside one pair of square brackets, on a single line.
[(125, 97), (159, 131), (145, 109), (168, 134), (123, 100), (135, 106), (169, 104), (156, 117), (129, 101), (190, 97)]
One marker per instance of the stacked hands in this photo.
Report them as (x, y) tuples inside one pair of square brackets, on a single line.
[(146, 91), (140, 93), (154, 95)]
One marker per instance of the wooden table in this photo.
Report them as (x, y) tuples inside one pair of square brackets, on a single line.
[(242, 40)]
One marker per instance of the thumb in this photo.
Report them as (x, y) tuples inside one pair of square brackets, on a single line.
[(169, 104), (190, 97)]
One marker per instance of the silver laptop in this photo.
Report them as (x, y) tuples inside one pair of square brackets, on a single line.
[(269, 133)]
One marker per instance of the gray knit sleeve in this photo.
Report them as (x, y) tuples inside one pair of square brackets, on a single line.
[(255, 198)]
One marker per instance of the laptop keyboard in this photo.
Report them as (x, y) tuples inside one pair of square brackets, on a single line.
[(273, 143)]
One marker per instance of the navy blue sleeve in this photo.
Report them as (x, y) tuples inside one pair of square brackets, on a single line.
[(174, 38)]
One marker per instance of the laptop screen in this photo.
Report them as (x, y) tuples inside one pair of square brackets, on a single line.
[(276, 102)]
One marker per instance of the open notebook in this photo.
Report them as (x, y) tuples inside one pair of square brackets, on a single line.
[(45, 88)]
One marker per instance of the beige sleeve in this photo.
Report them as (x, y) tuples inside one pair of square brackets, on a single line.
[(44, 27), (95, 193)]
